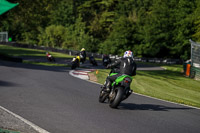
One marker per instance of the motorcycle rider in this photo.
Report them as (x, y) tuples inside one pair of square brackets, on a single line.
[(92, 60), (49, 57), (83, 55), (48, 54), (106, 60), (126, 66), (76, 61)]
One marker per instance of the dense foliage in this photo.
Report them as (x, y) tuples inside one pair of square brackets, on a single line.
[(150, 28)]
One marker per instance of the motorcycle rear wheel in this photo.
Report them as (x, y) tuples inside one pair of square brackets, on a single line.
[(114, 103)]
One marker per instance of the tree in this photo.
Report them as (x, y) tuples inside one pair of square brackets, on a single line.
[(183, 30), (63, 13), (121, 38), (53, 36), (196, 15), (151, 28), (27, 17)]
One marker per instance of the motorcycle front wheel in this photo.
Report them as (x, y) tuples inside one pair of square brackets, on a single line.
[(73, 65), (103, 96), (116, 98)]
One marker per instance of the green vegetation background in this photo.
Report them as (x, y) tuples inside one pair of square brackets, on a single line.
[(150, 28)]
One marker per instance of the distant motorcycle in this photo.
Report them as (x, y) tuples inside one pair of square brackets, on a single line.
[(120, 91), (106, 60), (93, 61), (50, 58), (75, 62)]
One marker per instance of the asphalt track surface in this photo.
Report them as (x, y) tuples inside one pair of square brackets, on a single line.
[(59, 103)]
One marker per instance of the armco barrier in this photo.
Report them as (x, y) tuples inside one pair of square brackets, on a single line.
[(96, 55)]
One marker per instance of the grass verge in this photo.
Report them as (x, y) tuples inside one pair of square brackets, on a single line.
[(7, 131), (16, 51), (168, 85), (20, 52), (45, 63)]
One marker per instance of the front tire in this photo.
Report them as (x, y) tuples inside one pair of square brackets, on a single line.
[(103, 96), (73, 65), (118, 95)]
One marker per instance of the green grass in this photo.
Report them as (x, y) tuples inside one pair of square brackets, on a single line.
[(168, 85), (20, 52), (16, 51), (7, 131), (45, 63)]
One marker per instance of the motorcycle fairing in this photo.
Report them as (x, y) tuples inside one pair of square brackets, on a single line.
[(121, 78)]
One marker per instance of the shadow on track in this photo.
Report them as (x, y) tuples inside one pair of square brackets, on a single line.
[(151, 107), (5, 83)]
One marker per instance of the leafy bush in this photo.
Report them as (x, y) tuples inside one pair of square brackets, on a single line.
[(52, 36)]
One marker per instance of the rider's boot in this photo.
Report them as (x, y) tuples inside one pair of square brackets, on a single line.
[(107, 86)]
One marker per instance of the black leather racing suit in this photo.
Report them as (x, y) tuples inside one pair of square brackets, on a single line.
[(126, 66)]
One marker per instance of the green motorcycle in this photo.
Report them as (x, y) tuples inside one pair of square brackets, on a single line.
[(119, 92)]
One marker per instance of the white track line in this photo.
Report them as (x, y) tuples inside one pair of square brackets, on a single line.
[(35, 127), (145, 95)]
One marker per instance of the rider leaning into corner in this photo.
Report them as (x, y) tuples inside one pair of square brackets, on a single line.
[(83, 55), (125, 65)]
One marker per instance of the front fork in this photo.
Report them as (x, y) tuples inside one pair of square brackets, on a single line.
[(112, 93)]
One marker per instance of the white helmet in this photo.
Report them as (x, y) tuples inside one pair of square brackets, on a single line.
[(128, 54)]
